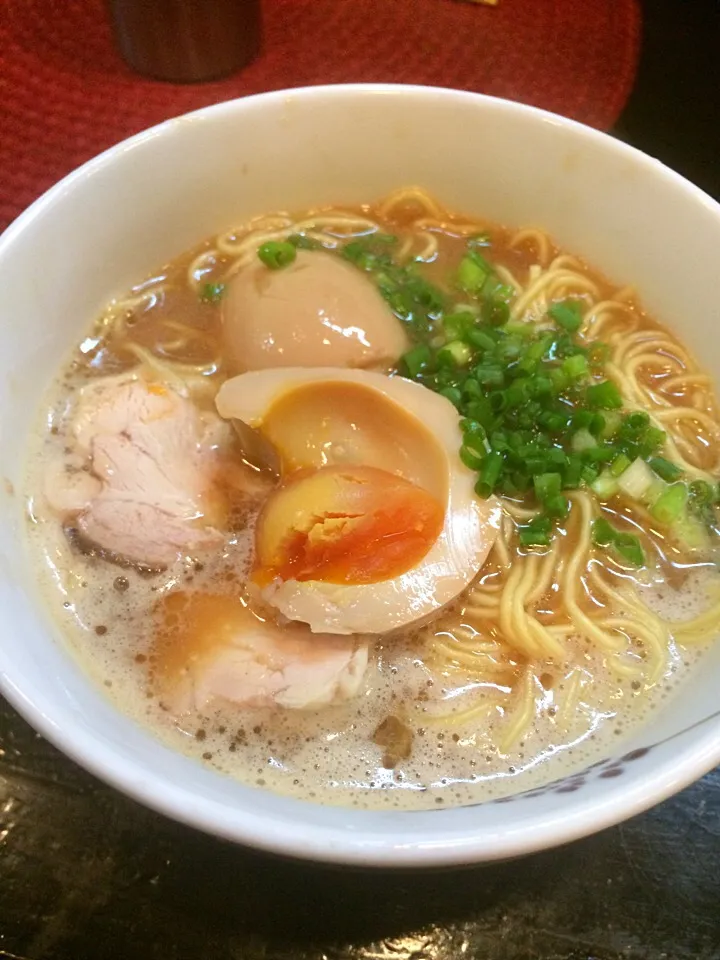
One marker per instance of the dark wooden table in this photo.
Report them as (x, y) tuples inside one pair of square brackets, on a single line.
[(86, 874)]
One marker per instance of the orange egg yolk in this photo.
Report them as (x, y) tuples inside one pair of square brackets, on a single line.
[(345, 525)]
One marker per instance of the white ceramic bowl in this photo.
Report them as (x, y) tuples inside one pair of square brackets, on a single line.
[(139, 204)]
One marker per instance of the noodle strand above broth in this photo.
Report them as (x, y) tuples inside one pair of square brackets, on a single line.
[(588, 421)]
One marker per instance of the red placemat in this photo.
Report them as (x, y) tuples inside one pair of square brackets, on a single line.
[(65, 94)]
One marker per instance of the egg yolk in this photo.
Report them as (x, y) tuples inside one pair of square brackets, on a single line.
[(345, 525), (338, 423)]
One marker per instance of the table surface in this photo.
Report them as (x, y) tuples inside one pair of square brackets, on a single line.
[(86, 874)]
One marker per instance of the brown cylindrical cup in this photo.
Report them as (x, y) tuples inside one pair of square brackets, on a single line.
[(186, 41)]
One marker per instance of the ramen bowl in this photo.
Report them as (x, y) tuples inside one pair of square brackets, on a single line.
[(146, 200)]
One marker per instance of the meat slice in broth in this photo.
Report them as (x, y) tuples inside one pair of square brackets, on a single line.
[(149, 495), (211, 647)]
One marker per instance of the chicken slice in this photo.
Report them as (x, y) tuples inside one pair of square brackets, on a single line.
[(69, 489), (153, 455), (210, 647)]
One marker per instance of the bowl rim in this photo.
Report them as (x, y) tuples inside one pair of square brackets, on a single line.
[(310, 841)]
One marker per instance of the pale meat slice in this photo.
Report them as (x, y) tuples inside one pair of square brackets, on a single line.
[(70, 489), (212, 648), (152, 457)]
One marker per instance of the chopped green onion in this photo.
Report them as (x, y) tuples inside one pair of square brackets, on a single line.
[(521, 328), (603, 533), (636, 480), (582, 419), (629, 547), (413, 299), (276, 254), (598, 454), (478, 443), (626, 544), (557, 507), (472, 427), (542, 523), (636, 421), (472, 272), (532, 537), (665, 469), (301, 242), (212, 292), (538, 415), (604, 395), (567, 315), (416, 359), (489, 475), (670, 504), (558, 422), (521, 481), (455, 354), (516, 394), (480, 260), (573, 473), (493, 285), (505, 292), (598, 354), (651, 441), (535, 352), (557, 456), (471, 389), (536, 532), (480, 340), (481, 410), (495, 311), (605, 486), (452, 394), (702, 492), (613, 420), (500, 441), (378, 239), (576, 367), (691, 532), (456, 326), (619, 465), (470, 458), (489, 374), (582, 440), (565, 346), (541, 386), (597, 424), (547, 485), (509, 349), (559, 379), (370, 252)]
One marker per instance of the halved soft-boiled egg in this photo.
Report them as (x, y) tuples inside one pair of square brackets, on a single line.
[(375, 524)]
